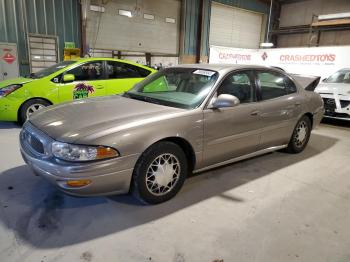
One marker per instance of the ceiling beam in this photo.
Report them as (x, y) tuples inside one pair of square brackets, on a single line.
[(282, 2), (332, 22)]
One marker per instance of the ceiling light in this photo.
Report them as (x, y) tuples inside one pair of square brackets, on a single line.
[(334, 16), (124, 13), (266, 45)]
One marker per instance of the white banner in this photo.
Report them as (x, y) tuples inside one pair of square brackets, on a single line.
[(317, 61)]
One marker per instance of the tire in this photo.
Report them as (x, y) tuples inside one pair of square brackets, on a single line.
[(150, 187), (28, 108), (300, 136)]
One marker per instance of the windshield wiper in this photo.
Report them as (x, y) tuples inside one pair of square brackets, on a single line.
[(142, 98)]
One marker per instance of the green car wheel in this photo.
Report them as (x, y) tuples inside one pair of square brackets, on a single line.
[(30, 107)]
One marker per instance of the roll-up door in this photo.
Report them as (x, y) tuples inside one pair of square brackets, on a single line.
[(234, 27), (140, 26)]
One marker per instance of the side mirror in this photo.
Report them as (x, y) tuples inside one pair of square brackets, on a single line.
[(68, 78), (225, 100)]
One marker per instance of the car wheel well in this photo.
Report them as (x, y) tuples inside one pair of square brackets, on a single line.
[(186, 147), (311, 117), (20, 108)]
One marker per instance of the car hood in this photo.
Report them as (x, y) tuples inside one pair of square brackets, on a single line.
[(339, 88), (82, 121), (20, 80)]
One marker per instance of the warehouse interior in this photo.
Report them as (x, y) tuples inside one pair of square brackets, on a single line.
[(181, 32), (273, 207)]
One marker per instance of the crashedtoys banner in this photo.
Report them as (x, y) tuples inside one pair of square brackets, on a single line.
[(318, 61)]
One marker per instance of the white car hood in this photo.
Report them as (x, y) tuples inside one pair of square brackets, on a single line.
[(333, 88)]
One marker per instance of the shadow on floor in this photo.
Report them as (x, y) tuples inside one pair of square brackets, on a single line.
[(45, 218), (9, 125)]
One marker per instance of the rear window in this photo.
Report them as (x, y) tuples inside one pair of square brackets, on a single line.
[(124, 70), (274, 85)]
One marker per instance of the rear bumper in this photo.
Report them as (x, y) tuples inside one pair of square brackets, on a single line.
[(317, 117), (107, 177)]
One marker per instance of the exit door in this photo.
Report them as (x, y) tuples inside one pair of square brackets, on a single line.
[(8, 61)]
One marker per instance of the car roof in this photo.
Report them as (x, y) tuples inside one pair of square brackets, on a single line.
[(222, 68), (87, 59)]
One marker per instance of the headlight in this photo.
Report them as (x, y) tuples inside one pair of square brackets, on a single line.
[(9, 89), (71, 152)]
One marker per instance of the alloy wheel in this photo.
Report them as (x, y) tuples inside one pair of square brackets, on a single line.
[(300, 136), (33, 108)]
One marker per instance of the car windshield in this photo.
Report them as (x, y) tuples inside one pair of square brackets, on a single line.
[(52, 69), (176, 87), (341, 76)]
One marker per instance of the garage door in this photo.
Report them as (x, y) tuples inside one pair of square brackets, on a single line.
[(234, 27), (139, 26)]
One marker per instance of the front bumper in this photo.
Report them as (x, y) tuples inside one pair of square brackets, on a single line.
[(337, 107), (9, 109), (112, 176)]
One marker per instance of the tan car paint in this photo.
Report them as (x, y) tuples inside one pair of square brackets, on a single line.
[(216, 136)]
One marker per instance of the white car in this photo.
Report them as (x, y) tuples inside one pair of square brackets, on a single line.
[(335, 92)]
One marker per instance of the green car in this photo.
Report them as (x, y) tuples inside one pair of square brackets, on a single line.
[(66, 81)]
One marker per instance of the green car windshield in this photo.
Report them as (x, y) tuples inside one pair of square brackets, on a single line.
[(52, 69), (176, 87)]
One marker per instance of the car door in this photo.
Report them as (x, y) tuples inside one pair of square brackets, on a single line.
[(89, 81), (279, 107), (232, 132), (122, 76)]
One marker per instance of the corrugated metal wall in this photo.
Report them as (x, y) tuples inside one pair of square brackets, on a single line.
[(206, 28), (48, 17), (190, 26)]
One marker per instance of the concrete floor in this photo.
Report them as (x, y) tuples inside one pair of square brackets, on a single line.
[(276, 207)]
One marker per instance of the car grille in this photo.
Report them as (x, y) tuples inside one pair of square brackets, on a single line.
[(344, 103), (34, 140), (329, 104), (36, 144)]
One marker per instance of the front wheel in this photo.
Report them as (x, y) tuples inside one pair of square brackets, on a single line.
[(301, 136), (159, 173), (30, 107)]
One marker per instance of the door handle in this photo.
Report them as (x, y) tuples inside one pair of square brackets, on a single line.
[(99, 86), (255, 113), (297, 104)]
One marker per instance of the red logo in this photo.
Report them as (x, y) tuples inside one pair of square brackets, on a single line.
[(9, 58), (264, 56), (308, 58)]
